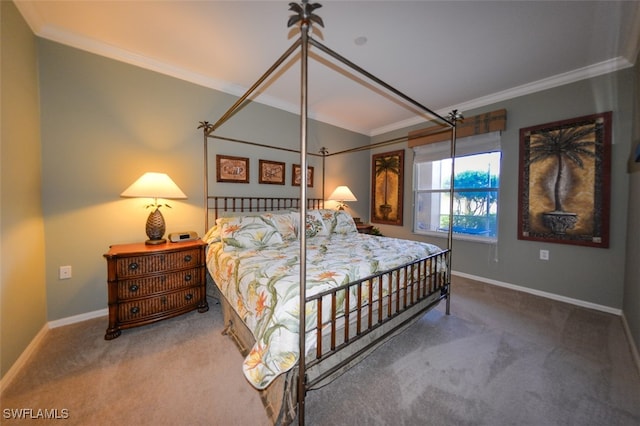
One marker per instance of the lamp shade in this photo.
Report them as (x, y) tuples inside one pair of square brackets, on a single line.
[(154, 185), (342, 193)]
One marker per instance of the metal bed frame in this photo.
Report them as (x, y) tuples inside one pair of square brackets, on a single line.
[(412, 289)]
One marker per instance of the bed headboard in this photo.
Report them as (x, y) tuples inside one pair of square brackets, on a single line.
[(217, 206)]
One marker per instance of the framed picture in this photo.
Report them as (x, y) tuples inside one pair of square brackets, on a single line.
[(272, 172), (387, 177), (564, 186), (296, 176), (232, 169)]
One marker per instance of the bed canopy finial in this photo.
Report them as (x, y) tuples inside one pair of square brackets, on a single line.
[(305, 13), (455, 116), (206, 126)]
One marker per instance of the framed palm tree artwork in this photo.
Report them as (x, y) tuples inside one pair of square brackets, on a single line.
[(564, 186), (386, 191)]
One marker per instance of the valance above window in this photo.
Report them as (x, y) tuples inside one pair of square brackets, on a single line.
[(483, 123), (485, 142)]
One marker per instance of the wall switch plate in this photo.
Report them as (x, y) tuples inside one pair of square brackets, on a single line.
[(544, 254), (64, 272)]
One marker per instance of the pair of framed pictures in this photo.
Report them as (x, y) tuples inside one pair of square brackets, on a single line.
[(236, 169)]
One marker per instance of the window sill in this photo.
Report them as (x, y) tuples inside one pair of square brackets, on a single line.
[(459, 237)]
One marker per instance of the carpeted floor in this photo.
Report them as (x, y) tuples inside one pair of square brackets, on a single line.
[(500, 358)]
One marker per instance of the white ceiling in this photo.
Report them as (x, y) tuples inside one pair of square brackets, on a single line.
[(444, 54)]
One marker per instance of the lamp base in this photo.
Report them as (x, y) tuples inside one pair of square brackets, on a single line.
[(155, 228), (155, 242)]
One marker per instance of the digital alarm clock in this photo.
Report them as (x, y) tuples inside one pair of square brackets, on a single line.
[(176, 237)]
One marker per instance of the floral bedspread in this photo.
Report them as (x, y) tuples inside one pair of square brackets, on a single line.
[(262, 285)]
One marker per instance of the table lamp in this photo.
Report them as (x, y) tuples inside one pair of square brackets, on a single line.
[(154, 185), (342, 194)]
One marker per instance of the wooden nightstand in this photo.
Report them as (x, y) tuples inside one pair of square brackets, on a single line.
[(363, 228), (148, 283)]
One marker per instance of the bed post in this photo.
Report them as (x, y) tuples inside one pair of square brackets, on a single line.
[(303, 214), (304, 17), (453, 116), (206, 128), (302, 386), (324, 151)]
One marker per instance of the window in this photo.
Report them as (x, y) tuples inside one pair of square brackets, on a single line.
[(476, 185)]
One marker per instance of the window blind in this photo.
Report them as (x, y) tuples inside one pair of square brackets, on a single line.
[(485, 142), (469, 126)]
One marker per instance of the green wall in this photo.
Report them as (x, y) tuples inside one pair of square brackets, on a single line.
[(587, 274), (105, 123), (22, 258)]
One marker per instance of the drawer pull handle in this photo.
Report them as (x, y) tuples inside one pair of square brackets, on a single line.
[(188, 297), (187, 277), (133, 266), (187, 258), (135, 310), (133, 288)]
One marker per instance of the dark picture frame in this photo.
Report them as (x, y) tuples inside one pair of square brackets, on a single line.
[(296, 178), (564, 181), (271, 172), (387, 177), (232, 169)]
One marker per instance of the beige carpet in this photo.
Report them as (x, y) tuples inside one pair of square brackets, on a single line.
[(501, 358)]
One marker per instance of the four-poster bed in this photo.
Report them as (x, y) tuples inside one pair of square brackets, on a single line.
[(270, 256)]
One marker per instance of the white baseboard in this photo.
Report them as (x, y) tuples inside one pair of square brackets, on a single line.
[(23, 358), (78, 318), (35, 343), (557, 297)]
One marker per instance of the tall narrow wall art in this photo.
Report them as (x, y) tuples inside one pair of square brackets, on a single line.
[(565, 170)]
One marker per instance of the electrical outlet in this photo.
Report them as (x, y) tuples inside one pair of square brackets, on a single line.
[(544, 254), (64, 272)]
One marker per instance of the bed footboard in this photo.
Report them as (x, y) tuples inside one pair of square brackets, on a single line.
[(355, 318)]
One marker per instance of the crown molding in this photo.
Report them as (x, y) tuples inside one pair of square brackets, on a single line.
[(122, 55), (590, 71)]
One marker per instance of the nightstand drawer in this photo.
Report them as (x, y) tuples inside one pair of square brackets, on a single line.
[(141, 287), (137, 310), (149, 283), (145, 264)]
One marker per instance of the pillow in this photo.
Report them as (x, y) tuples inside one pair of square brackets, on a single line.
[(328, 218), (286, 224), (212, 235), (315, 225), (249, 232), (229, 213), (344, 223)]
